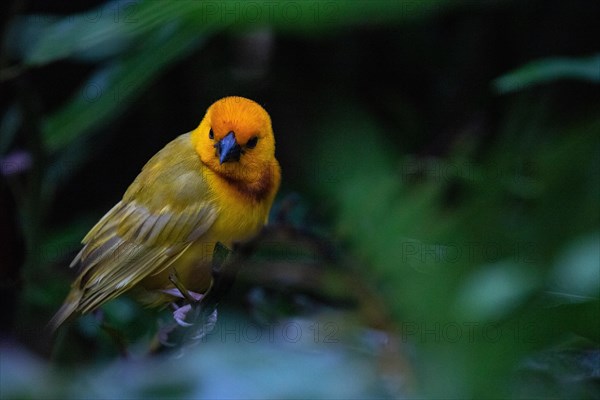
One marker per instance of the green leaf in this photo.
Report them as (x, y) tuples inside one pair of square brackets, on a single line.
[(549, 70), (107, 93), (102, 32), (576, 275), (115, 27), (493, 291)]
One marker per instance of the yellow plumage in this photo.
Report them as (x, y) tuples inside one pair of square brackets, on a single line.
[(214, 184)]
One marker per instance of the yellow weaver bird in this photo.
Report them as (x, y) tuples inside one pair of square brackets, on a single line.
[(214, 184)]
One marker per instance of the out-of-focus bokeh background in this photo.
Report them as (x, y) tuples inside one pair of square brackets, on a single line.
[(436, 234)]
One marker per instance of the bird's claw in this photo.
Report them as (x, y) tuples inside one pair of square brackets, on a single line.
[(180, 314)]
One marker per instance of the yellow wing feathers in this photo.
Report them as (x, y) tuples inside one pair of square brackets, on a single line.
[(131, 242)]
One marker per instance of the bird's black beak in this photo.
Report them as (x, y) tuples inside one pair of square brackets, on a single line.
[(228, 149)]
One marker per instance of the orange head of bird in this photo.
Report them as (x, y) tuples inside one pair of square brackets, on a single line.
[(235, 138)]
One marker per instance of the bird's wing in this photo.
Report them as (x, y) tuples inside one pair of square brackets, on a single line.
[(166, 208), (131, 243)]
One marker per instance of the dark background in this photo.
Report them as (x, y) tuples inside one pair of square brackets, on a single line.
[(448, 153)]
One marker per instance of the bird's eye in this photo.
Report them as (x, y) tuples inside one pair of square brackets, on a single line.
[(252, 142), (211, 134)]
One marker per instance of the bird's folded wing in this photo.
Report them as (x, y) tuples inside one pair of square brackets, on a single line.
[(131, 243)]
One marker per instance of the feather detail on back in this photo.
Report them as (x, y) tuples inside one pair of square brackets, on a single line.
[(135, 240)]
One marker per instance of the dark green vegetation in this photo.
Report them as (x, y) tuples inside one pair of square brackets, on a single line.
[(437, 228)]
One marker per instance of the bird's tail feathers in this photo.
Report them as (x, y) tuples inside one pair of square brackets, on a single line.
[(68, 308)]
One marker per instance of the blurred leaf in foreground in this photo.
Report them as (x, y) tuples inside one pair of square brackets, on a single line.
[(235, 361), (576, 275), (107, 93), (548, 70)]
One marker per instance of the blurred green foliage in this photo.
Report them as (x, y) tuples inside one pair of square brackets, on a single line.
[(444, 158), (549, 70)]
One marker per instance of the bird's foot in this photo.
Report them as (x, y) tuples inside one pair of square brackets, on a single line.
[(180, 312)]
